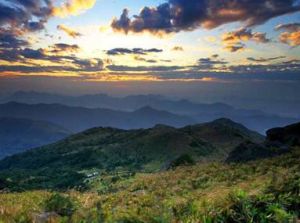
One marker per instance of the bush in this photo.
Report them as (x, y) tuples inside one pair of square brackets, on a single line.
[(60, 204), (182, 160), (264, 208)]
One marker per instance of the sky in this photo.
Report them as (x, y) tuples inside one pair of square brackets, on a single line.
[(206, 50)]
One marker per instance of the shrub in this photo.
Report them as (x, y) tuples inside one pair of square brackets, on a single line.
[(264, 208), (182, 160), (60, 204)]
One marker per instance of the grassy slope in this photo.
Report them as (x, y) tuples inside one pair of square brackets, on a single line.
[(201, 193)]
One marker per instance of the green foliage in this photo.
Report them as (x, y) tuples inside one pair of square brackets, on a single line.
[(59, 166), (264, 191), (184, 159), (60, 204), (264, 208), (22, 218)]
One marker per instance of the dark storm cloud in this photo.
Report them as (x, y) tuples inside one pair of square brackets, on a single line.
[(178, 15), (264, 60), (139, 51)]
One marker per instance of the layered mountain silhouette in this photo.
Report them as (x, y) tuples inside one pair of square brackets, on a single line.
[(78, 118), (199, 112), (61, 164), (18, 135)]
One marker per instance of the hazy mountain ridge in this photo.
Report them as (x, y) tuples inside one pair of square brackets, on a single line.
[(254, 119), (18, 135), (79, 118)]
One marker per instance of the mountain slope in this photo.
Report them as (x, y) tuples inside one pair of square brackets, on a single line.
[(258, 191), (18, 135), (287, 135), (278, 141), (107, 149), (79, 118)]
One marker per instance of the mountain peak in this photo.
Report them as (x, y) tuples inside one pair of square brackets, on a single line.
[(146, 109), (224, 121)]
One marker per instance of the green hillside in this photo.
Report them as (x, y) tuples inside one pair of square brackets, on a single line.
[(209, 173), (259, 191), (67, 163)]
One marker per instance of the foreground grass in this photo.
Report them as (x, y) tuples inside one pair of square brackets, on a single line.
[(261, 191)]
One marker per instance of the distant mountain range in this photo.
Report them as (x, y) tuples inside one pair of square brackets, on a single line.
[(61, 165), (18, 135), (118, 112), (78, 118)]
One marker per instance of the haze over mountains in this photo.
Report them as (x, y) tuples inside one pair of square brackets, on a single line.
[(79, 118), (17, 135), (75, 114), (190, 112)]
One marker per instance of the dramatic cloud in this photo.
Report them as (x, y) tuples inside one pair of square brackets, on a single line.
[(72, 33), (32, 57), (244, 35), (291, 27), (139, 58), (177, 48), (264, 60), (233, 40), (292, 66), (89, 65), (292, 34), (83, 66), (210, 63), (73, 7), (122, 68), (64, 48), (139, 51), (8, 40), (292, 39), (24, 16), (178, 15), (235, 47)]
